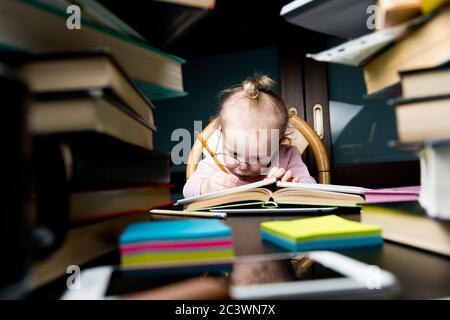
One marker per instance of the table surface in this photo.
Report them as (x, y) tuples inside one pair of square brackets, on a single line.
[(421, 274)]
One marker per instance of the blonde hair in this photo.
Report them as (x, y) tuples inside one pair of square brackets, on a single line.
[(258, 95)]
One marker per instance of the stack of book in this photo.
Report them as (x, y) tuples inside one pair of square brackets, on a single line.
[(403, 39), (423, 109), (408, 57), (426, 46), (394, 12), (422, 115), (321, 233), (406, 222), (91, 90), (157, 74), (104, 125), (411, 34), (422, 121), (184, 245)]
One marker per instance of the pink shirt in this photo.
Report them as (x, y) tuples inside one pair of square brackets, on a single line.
[(289, 159)]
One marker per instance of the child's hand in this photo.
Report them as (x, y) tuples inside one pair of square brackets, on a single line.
[(219, 181), (283, 175)]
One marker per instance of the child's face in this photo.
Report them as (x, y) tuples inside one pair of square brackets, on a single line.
[(248, 149), (251, 136)]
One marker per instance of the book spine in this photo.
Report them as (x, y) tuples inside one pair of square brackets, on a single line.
[(117, 167)]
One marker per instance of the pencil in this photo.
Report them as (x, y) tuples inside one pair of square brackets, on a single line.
[(213, 155), (219, 215)]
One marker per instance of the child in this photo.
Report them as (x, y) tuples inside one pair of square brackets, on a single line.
[(252, 122)]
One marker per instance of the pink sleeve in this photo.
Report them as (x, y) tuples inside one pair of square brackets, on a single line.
[(204, 169), (297, 166)]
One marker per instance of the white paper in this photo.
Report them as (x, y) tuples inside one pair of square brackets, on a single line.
[(356, 52)]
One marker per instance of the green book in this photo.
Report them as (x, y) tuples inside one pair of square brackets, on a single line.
[(95, 13)]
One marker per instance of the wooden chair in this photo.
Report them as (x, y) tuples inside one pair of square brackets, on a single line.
[(300, 135)]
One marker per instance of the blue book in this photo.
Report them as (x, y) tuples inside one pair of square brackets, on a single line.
[(174, 230)]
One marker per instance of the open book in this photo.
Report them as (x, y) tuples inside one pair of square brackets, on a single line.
[(271, 193)]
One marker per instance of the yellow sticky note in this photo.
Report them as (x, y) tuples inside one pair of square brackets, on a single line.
[(320, 227)]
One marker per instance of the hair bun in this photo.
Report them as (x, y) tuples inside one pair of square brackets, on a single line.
[(252, 86)]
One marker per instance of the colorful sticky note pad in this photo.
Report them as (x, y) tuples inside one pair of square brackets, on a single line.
[(176, 244), (321, 233), (173, 230)]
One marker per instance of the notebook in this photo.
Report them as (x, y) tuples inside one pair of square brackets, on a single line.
[(393, 194), (270, 193), (327, 232)]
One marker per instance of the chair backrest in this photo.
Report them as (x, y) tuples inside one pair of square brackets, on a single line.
[(300, 135)]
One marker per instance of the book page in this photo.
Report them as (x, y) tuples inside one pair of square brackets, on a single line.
[(316, 197), (259, 194), (216, 194), (323, 187)]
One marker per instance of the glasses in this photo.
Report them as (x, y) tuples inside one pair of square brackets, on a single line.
[(233, 162)]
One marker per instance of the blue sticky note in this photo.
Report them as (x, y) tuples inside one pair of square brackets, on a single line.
[(324, 243), (174, 230)]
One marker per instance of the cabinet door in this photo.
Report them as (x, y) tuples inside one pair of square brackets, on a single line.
[(303, 84)]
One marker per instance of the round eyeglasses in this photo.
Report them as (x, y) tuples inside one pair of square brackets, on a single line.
[(233, 162)]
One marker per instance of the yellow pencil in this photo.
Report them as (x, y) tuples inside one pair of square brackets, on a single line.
[(213, 155)]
